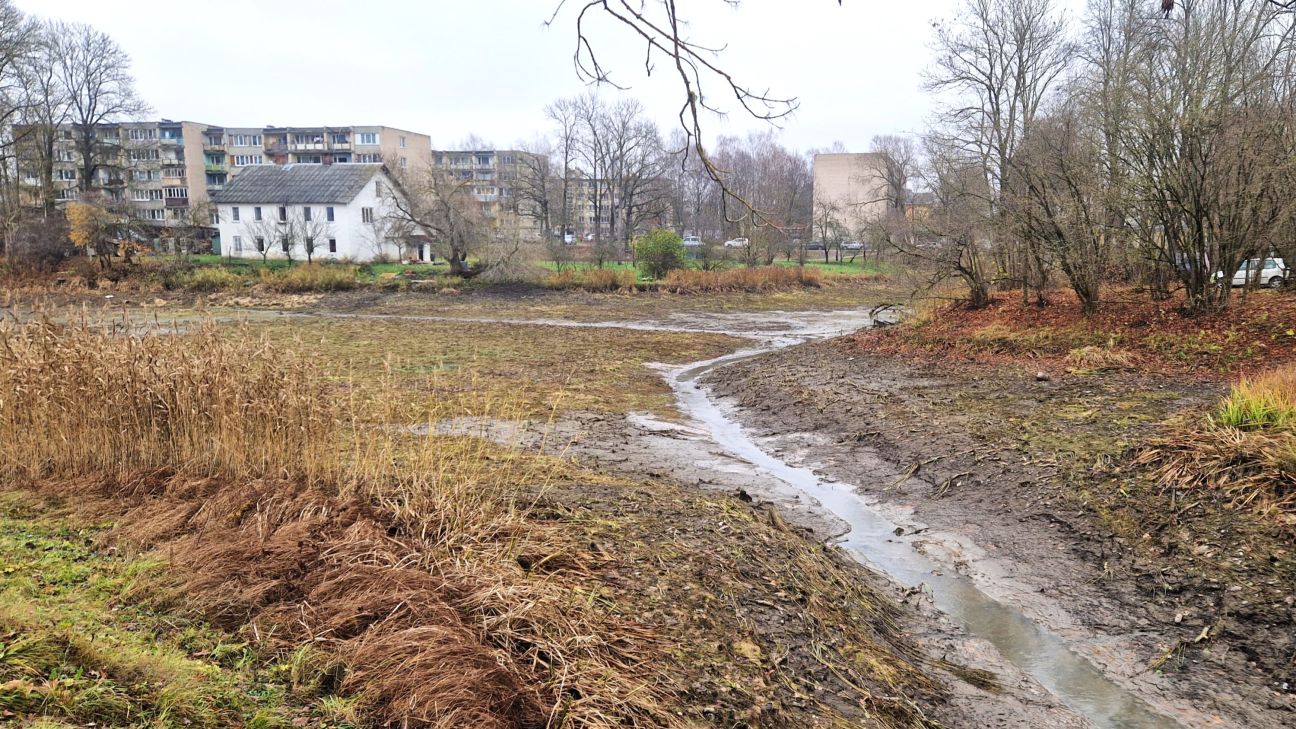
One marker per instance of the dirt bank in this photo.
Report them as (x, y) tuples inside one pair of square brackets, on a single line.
[(1016, 483)]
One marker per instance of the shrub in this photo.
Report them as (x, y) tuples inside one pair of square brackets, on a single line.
[(763, 278), (659, 253), (35, 245), (1264, 402)]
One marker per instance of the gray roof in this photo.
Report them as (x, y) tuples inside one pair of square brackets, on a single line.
[(297, 184)]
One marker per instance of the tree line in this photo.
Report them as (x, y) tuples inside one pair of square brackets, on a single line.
[(56, 78), (1126, 145)]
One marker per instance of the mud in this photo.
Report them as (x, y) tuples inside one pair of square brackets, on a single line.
[(926, 444)]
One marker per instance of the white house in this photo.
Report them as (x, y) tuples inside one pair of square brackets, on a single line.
[(336, 212)]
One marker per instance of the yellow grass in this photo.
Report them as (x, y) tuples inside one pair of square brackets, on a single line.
[(1267, 401), (763, 278)]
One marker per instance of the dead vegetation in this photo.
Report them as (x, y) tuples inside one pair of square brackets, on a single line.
[(436, 581), (753, 280), (1245, 454)]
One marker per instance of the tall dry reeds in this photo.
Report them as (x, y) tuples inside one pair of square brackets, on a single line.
[(755, 280), (294, 503)]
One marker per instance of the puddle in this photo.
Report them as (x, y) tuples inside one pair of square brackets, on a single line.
[(872, 538)]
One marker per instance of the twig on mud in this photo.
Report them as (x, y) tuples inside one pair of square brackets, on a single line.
[(950, 481)]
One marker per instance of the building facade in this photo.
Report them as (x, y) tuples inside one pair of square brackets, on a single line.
[(495, 176), (850, 191), (169, 169), (320, 212)]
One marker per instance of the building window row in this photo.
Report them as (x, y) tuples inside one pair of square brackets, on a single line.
[(248, 160), (246, 140), (368, 138)]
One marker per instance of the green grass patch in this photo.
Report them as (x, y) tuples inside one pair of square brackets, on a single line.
[(85, 640)]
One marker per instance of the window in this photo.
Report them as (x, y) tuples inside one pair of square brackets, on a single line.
[(256, 214), (155, 214), (368, 138), (340, 138), (332, 245), (402, 142), (342, 159), (138, 155), (247, 160), (283, 214), (366, 215), (235, 214), (310, 243), (65, 174), (308, 139), (69, 193), (309, 159), (483, 160), (238, 242), (175, 193), (140, 135), (247, 140), (260, 244), (328, 214), (368, 159), (146, 195), (147, 175), (286, 244), (306, 214), (404, 163)]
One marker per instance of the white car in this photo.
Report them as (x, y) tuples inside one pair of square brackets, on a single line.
[(692, 241), (1272, 274), (852, 245), (737, 243)]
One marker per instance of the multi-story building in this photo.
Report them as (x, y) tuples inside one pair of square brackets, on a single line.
[(170, 168), (494, 175), (850, 190)]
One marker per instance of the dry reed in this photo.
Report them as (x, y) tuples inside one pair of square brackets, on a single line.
[(755, 280), (287, 508)]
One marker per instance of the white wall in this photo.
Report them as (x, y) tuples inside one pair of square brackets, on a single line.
[(355, 238)]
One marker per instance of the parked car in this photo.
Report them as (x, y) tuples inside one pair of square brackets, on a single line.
[(816, 246), (1273, 273), (852, 245), (737, 243), (692, 241)]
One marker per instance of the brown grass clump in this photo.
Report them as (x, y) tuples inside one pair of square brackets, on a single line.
[(1099, 359), (599, 280), (402, 556), (309, 278), (1245, 453), (755, 280)]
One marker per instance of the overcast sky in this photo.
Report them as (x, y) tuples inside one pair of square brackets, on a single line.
[(450, 68)]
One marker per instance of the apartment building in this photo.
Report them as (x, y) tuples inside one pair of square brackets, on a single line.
[(494, 176), (167, 168), (850, 189)]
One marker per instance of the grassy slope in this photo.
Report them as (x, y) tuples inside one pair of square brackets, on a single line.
[(85, 637)]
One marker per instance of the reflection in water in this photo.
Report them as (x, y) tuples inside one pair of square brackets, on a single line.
[(1071, 678)]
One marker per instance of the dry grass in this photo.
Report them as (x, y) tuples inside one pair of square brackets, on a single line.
[(755, 280), (1099, 359), (438, 581), (413, 543), (308, 278), (593, 279)]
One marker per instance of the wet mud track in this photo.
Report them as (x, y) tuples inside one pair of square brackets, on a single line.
[(988, 509)]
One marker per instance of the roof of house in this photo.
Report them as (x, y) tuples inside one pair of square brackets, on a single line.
[(297, 184)]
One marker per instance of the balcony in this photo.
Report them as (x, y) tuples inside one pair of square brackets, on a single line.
[(172, 140), (173, 172), (340, 145), (213, 147), (276, 148), (308, 147), (177, 202), (216, 167)]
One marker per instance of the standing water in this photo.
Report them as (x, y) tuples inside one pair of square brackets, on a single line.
[(1045, 657)]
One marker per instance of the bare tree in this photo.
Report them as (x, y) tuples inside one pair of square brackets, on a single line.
[(445, 208), (995, 65), (563, 113), (45, 107), (95, 72)]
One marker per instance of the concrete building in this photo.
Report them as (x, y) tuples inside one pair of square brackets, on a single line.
[(332, 212), (850, 190), (168, 168), (494, 177)]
